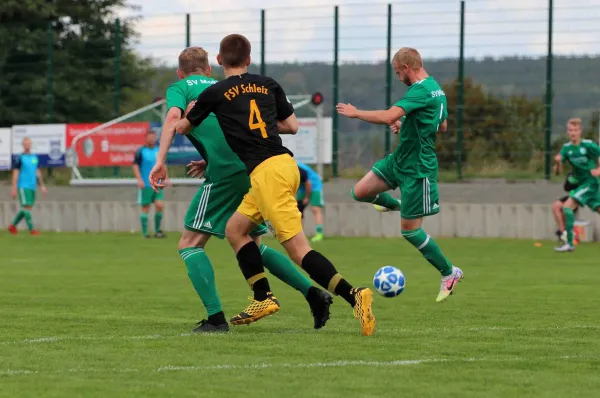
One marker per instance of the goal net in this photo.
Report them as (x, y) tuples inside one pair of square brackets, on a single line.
[(101, 154)]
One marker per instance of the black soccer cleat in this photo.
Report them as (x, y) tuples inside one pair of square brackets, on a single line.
[(205, 326), (159, 235), (319, 302)]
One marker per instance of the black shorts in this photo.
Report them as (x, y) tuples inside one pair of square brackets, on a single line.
[(301, 207)]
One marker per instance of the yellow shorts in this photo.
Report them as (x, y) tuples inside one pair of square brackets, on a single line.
[(272, 196)]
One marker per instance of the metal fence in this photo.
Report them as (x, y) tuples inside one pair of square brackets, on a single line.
[(514, 72)]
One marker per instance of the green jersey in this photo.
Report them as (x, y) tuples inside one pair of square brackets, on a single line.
[(426, 108), (208, 137), (583, 159)]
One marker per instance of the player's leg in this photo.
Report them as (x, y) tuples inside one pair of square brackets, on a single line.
[(373, 186), (559, 216), (202, 276), (282, 268), (250, 261), (317, 202), (144, 199), (159, 207), (277, 203), (580, 196), (29, 196), (20, 214), (420, 198)]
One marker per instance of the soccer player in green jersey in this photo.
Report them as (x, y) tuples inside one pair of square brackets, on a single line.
[(413, 166), (583, 157), (226, 183)]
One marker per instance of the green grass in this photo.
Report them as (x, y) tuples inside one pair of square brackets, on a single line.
[(90, 315)]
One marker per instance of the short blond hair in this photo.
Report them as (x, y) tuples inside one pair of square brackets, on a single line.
[(408, 56), (575, 122), (193, 59)]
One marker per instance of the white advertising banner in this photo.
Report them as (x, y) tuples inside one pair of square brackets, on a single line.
[(5, 149), (49, 142), (304, 143)]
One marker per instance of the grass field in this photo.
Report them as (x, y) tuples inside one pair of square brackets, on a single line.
[(109, 316)]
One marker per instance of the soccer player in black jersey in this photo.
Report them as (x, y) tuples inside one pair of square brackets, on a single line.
[(252, 110)]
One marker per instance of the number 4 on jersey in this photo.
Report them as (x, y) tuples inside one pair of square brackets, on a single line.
[(255, 115)]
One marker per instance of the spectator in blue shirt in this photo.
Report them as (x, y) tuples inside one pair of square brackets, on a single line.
[(314, 197), (25, 177)]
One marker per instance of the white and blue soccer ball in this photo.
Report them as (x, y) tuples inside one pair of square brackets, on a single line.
[(389, 281)]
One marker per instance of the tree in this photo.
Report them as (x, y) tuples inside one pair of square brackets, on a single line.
[(60, 61)]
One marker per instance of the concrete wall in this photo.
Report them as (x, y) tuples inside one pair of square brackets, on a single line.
[(522, 221)]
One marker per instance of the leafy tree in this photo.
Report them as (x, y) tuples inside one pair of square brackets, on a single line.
[(83, 41)]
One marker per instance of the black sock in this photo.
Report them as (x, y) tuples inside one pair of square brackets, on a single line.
[(217, 319), (344, 289), (250, 262), (322, 271)]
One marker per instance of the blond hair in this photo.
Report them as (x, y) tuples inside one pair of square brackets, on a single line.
[(193, 59), (575, 122), (408, 56)]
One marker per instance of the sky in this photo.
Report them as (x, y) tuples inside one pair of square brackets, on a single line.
[(302, 30)]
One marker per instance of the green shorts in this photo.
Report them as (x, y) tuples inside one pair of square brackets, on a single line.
[(26, 197), (316, 198), (215, 202), (587, 194), (419, 196), (147, 196)]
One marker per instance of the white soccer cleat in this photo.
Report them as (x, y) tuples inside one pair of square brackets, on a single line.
[(564, 248), (385, 209), (449, 283), (563, 237)]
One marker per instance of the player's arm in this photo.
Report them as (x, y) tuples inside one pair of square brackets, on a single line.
[(286, 119), (443, 127), (137, 161), (595, 151), (15, 177), (40, 179), (176, 103), (388, 117), (307, 185), (204, 105)]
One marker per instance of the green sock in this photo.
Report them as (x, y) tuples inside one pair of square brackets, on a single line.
[(144, 221), (429, 249), (283, 268), (569, 223), (320, 229), (201, 274), (157, 220), (18, 217), (28, 219), (383, 199)]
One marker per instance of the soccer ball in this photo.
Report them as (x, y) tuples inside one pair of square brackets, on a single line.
[(389, 281)]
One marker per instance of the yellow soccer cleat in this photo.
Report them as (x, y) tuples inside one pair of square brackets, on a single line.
[(363, 310), (385, 209), (256, 310)]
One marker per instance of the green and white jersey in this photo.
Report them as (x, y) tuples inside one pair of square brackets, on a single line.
[(583, 159), (426, 108), (208, 137)]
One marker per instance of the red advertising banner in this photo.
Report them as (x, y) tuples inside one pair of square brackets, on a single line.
[(112, 146)]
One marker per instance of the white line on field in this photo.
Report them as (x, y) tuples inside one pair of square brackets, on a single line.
[(333, 364), (53, 339)]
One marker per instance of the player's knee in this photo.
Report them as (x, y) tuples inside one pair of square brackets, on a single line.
[(159, 206), (192, 239), (557, 205), (356, 193), (145, 209)]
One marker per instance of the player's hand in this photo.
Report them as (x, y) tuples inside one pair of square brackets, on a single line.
[(43, 189), (196, 168), (305, 201), (348, 110), (395, 127), (158, 176), (596, 172), (13, 193), (140, 184), (189, 108), (557, 158)]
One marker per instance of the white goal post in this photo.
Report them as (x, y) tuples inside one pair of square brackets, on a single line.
[(77, 180)]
